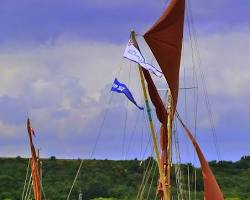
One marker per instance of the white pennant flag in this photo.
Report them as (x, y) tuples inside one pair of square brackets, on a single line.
[(133, 54)]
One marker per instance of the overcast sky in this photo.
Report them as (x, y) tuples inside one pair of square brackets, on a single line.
[(58, 60)]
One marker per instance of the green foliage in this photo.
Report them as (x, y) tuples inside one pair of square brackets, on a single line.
[(113, 180), (103, 198), (52, 158)]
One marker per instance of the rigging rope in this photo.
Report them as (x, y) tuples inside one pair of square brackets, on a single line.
[(151, 182), (195, 100), (40, 178), (93, 150), (178, 171), (126, 118), (145, 177), (149, 143), (28, 190), (138, 117), (96, 141), (29, 194), (133, 133), (146, 180), (195, 45), (26, 177)]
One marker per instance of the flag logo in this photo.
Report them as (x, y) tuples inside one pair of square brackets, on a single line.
[(132, 53), (122, 88)]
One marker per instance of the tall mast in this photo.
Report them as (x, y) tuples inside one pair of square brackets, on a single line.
[(152, 129), (36, 184), (164, 39), (169, 145)]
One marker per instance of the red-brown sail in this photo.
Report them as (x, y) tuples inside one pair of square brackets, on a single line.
[(212, 190), (155, 98), (34, 165), (165, 41)]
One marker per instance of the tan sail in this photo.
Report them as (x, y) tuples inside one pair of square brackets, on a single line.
[(212, 190), (165, 41), (34, 165)]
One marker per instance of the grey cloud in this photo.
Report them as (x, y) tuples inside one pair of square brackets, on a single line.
[(67, 103)]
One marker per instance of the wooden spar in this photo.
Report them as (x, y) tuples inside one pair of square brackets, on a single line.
[(152, 129), (34, 165), (169, 145)]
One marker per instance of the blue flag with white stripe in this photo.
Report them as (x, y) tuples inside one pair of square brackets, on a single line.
[(122, 88)]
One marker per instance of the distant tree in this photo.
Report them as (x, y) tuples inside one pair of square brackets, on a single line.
[(100, 198), (52, 158), (19, 158), (113, 180)]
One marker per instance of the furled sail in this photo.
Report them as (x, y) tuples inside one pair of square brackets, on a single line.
[(34, 165), (155, 98), (212, 190), (165, 41), (162, 117)]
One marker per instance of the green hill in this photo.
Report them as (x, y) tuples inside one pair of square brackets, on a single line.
[(109, 180)]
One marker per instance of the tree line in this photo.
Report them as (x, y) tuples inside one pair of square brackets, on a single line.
[(113, 180)]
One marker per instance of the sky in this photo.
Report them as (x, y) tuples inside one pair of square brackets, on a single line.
[(58, 60)]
